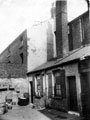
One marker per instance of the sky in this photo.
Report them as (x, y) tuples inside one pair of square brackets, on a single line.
[(17, 15)]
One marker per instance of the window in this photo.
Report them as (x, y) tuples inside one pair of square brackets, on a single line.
[(58, 90), (39, 86), (38, 89), (9, 61), (57, 84), (21, 55), (70, 37)]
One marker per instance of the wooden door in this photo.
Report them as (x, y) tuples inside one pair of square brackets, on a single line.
[(72, 101), (31, 83)]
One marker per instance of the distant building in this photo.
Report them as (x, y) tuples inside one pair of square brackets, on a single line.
[(13, 65)]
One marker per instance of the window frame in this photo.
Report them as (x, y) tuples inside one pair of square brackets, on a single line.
[(39, 87), (55, 85)]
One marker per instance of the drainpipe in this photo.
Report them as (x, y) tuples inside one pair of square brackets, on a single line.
[(89, 9), (88, 2)]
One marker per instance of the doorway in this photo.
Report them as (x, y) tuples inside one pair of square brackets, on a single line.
[(31, 84), (72, 99), (85, 93)]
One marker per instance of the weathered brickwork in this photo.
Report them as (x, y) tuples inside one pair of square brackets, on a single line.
[(13, 60), (61, 28), (12, 70), (79, 32)]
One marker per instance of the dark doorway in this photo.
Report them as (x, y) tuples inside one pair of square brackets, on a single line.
[(85, 93), (31, 84), (72, 100)]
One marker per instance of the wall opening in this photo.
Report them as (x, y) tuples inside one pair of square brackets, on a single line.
[(22, 58)]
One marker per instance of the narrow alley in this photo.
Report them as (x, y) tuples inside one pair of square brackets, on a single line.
[(28, 113)]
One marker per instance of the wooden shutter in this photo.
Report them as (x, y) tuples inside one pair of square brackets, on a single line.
[(33, 86), (63, 85), (49, 84), (41, 84)]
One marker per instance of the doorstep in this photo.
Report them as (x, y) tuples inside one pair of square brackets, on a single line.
[(58, 115)]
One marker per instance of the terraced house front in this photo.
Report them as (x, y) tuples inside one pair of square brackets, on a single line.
[(63, 81)]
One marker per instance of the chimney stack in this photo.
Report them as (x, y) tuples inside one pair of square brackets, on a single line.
[(61, 28)]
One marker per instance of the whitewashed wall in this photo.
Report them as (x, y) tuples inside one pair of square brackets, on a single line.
[(37, 43)]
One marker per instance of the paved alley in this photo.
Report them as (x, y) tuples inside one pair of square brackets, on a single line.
[(27, 113), (23, 113)]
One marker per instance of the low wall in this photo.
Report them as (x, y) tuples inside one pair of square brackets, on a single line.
[(15, 85)]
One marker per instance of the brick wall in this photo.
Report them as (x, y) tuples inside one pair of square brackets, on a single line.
[(14, 70), (13, 60), (61, 28), (79, 32), (76, 33)]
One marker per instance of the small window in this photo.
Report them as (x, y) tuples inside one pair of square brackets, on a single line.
[(21, 43), (38, 90), (39, 86), (21, 55), (55, 33), (9, 61), (57, 84), (58, 89)]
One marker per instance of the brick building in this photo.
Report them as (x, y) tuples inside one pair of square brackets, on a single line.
[(63, 83), (13, 65)]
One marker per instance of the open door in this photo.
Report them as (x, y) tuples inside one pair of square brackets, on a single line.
[(31, 84)]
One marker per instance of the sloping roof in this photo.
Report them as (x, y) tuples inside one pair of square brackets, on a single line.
[(78, 54), (44, 66), (74, 55)]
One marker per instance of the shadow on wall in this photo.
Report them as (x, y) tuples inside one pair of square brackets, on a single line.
[(49, 41)]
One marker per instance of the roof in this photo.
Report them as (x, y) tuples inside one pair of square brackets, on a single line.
[(44, 66), (80, 53)]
